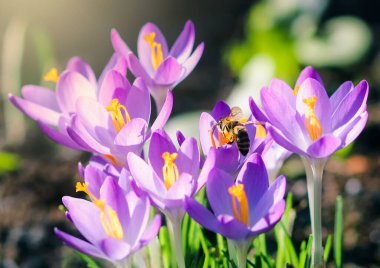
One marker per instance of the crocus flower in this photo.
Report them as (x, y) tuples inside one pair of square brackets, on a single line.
[(160, 68), (168, 177), (242, 209), (307, 122), (228, 156), (117, 123), (113, 228), (52, 110)]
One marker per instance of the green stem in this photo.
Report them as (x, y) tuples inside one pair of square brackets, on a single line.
[(314, 172), (176, 242), (239, 249)]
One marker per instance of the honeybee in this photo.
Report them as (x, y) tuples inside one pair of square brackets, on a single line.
[(232, 129)]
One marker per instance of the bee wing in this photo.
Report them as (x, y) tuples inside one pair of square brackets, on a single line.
[(236, 114)]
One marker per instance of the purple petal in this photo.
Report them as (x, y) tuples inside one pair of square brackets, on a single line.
[(310, 88), (308, 72), (139, 221), (180, 137), (138, 100), (254, 176), (115, 249), (58, 137), (191, 62), (184, 44), (201, 215), (79, 244), (86, 218), (168, 72), (206, 123), (138, 70), (114, 84), (282, 115), (351, 105), (324, 146), (340, 93), (115, 198), (181, 188), (273, 195), (133, 133), (117, 63), (144, 49), (145, 176), (221, 109), (228, 158), (283, 90), (70, 87), (279, 138), (118, 43), (232, 228), (35, 111), (95, 178), (189, 157), (348, 133), (206, 169), (151, 232), (76, 64), (256, 112), (40, 96), (165, 112), (273, 216), (159, 144), (217, 192)]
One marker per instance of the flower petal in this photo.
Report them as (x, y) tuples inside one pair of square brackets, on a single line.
[(217, 192), (308, 72), (114, 84), (273, 216), (118, 43), (221, 109), (58, 137), (324, 146), (349, 132), (115, 249), (138, 70), (151, 232), (201, 215), (168, 72), (340, 94), (184, 44), (76, 64), (165, 112), (191, 62), (279, 138), (232, 228), (40, 96), (189, 157), (138, 100), (256, 111)]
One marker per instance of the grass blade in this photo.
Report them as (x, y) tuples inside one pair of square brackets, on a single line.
[(327, 251), (338, 232)]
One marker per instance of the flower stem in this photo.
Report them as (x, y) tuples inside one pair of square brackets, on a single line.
[(238, 251), (314, 172), (176, 242)]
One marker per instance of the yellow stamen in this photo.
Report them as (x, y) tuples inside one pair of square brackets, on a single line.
[(170, 170), (260, 131), (237, 192), (112, 159), (110, 221), (116, 109), (295, 91), (313, 125), (157, 55), (52, 75)]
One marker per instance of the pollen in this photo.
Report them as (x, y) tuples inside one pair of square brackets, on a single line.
[(170, 169), (157, 55), (108, 217), (260, 131), (119, 114), (239, 198), (312, 123), (52, 75), (295, 91)]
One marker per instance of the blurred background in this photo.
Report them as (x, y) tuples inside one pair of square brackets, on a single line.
[(246, 44)]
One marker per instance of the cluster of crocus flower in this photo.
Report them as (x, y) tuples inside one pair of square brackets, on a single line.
[(111, 118)]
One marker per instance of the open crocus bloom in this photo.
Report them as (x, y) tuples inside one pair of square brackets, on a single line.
[(112, 228), (117, 123), (160, 68), (227, 156), (306, 121), (52, 110), (170, 175), (242, 208)]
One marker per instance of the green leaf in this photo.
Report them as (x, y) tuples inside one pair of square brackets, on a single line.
[(327, 251), (89, 261), (9, 162), (338, 232), (165, 246)]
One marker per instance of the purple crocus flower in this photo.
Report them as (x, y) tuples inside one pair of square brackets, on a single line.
[(117, 123), (227, 156), (160, 68), (306, 121), (52, 110), (113, 227), (168, 177), (242, 209)]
